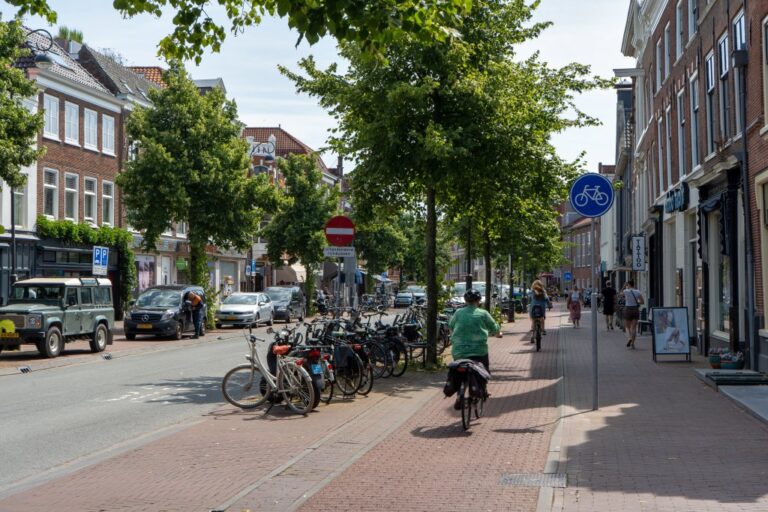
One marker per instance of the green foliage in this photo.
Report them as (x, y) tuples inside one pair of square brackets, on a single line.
[(82, 233), (370, 23), (19, 125), (296, 229), (192, 166), (70, 34)]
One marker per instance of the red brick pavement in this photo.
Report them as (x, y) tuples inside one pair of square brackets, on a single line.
[(430, 463), (662, 439)]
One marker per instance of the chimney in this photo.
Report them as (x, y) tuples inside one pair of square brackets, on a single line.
[(340, 166)]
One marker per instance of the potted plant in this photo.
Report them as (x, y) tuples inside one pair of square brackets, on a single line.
[(732, 361), (715, 357)]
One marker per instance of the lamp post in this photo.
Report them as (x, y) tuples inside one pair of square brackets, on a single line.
[(41, 48)]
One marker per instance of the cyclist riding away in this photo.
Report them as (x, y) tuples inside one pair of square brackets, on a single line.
[(470, 327), (539, 302)]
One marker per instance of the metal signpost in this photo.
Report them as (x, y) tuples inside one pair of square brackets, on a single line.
[(340, 232), (100, 260), (592, 196)]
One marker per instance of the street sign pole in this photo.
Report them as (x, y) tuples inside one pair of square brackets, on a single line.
[(593, 301)]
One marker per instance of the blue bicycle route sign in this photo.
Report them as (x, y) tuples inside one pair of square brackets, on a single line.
[(592, 195), (567, 276)]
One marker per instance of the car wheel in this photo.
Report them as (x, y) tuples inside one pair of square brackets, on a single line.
[(271, 319), (53, 343), (130, 336), (99, 339), (218, 326), (179, 331)]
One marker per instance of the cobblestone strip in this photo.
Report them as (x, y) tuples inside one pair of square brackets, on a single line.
[(661, 441)]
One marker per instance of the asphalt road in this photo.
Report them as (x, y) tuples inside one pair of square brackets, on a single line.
[(60, 418)]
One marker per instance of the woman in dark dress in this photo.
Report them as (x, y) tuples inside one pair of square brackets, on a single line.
[(609, 304)]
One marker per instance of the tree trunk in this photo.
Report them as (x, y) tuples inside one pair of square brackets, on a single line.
[(511, 312), (310, 289), (431, 276), (488, 269), (198, 264)]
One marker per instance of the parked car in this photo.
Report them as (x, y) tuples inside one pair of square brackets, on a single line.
[(52, 311), (419, 293), (404, 299), (244, 309), (163, 311), (287, 302)]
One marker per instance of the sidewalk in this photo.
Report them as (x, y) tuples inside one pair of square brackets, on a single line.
[(662, 440)]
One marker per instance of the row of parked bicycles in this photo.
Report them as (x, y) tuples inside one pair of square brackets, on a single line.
[(340, 354)]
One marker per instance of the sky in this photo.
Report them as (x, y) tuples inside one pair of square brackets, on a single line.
[(585, 31)]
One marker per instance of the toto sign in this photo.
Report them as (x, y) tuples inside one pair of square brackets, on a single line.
[(340, 231)]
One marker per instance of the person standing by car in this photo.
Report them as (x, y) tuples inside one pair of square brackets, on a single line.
[(196, 305)]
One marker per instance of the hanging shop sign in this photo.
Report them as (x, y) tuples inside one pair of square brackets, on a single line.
[(638, 253), (677, 199)]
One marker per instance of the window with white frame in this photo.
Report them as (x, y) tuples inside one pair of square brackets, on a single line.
[(723, 93), (693, 15), (695, 144), (108, 134), (20, 206), (739, 43), (710, 101), (681, 169), (71, 123), (659, 64), (181, 229), (91, 123), (51, 193), (51, 117), (679, 30), (71, 196), (89, 200), (660, 149), (667, 51), (107, 203), (668, 146)]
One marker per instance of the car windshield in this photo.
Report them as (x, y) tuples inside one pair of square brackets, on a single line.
[(405, 294), (249, 300), (37, 293), (278, 294), (159, 299)]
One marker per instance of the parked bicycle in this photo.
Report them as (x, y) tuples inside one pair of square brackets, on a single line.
[(250, 385)]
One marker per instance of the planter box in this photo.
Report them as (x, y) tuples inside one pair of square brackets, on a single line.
[(714, 361)]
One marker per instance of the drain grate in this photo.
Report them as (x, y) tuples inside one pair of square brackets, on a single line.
[(24, 369), (533, 479)]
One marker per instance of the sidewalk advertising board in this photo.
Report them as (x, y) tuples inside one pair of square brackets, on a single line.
[(670, 332)]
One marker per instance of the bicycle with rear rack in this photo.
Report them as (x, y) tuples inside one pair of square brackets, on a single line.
[(250, 385)]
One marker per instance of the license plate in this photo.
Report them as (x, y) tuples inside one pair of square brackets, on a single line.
[(230, 318), (9, 335), (317, 369), (145, 326)]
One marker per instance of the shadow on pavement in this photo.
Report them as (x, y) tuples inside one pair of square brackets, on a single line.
[(194, 390), (442, 432)]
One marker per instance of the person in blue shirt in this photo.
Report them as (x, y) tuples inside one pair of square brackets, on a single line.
[(538, 298)]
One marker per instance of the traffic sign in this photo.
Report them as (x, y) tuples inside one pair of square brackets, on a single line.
[(567, 276), (100, 260), (339, 252), (592, 195), (340, 231)]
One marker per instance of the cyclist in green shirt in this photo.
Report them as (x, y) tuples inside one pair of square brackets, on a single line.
[(470, 328)]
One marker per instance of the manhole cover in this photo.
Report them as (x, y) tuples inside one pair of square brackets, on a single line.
[(533, 479)]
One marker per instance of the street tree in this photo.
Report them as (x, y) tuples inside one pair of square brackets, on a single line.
[(416, 122), (19, 124), (191, 165), (296, 230), (370, 23)]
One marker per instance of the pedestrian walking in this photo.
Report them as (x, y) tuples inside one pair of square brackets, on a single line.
[(573, 303), (632, 301), (196, 304), (609, 304)]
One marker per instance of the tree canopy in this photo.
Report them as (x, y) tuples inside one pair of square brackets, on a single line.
[(19, 123), (191, 165), (370, 23)]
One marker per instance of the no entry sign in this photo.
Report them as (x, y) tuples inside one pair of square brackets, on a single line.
[(340, 231)]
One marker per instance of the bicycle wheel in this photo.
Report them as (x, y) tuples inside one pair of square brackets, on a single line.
[(348, 377), (326, 394), (400, 358), (479, 406), (378, 358), (443, 339), (244, 386), (296, 387), (366, 383), (538, 336), (466, 405)]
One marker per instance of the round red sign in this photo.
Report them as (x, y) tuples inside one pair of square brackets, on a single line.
[(340, 231)]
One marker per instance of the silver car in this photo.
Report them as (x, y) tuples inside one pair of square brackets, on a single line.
[(244, 309)]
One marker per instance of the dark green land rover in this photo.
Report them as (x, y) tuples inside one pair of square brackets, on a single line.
[(50, 311)]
